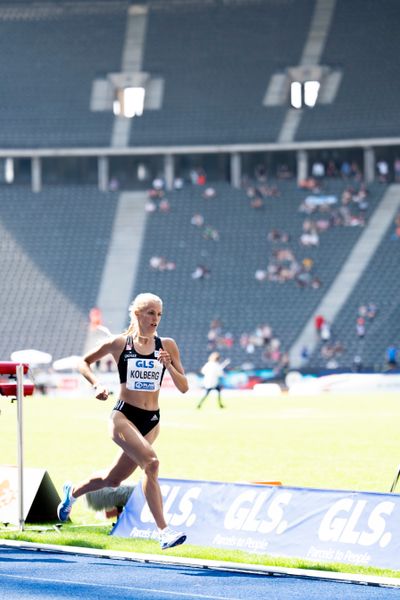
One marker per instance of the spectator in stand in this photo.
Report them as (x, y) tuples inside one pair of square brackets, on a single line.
[(214, 333), (347, 197), (178, 183), (396, 234), (372, 309), (318, 322), (159, 263), (251, 191), (193, 176), (142, 172), (156, 193), (360, 327), (322, 225), (164, 206), (391, 356), (345, 170), (260, 173), (303, 279), (95, 317), (210, 233), (396, 169), (304, 355), (266, 333), (283, 365), (201, 177), (362, 310), (270, 191), (244, 341), (260, 275), (318, 170), (316, 283), (276, 235), (209, 193), (360, 197), (257, 202), (357, 364), (201, 272), (158, 183), (331, 169), (309, 184), (310, 238), (307, 263), (275, 350), (356, 171), (227, 340), (383, 171), (150, 206), (197, 220), (325, 332), (113, 185), (283, 172), (330, 350)]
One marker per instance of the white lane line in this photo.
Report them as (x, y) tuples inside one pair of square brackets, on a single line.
[(115, 587)]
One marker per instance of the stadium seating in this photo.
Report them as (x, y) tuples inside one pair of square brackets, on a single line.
[(53, 248), (231, 292), (52, 56), (363, 42), (215, 76), (375, 286), (217, 60)]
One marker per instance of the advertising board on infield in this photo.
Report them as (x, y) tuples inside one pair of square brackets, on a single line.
[(360, 528)]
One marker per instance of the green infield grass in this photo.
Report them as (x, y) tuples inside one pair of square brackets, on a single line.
[(347, 442)]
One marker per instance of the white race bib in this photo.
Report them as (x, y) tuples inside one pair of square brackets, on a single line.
[(143, 374)]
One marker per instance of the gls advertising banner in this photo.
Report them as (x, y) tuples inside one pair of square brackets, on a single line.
[(360, 528)]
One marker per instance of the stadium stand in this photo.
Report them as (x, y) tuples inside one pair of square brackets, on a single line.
[(377, 287), (216, 59), (231, 292), (362, 42), (54, 53), (53, 249), (217, 73)]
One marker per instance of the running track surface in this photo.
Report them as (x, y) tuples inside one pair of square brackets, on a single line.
[(29, 574)]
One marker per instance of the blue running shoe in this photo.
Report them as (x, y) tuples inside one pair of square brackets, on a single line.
[(64, 508)]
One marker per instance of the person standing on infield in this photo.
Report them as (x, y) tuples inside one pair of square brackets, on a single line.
[(142, 358), (213, 371)]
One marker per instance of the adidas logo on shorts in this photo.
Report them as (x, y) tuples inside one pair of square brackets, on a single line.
[(154, 418)]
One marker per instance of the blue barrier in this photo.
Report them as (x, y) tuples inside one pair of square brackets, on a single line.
[(360, 528)]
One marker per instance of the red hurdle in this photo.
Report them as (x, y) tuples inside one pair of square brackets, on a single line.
[(8, 388), (15, 386), (8, 367)]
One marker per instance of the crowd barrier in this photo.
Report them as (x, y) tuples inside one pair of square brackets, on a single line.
[(360, 528)]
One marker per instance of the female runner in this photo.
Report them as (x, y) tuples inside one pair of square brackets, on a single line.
[(142, 358)]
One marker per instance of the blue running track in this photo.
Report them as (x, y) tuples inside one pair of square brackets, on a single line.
[(31, 574)]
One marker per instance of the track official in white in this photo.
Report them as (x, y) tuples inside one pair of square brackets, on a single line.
[(212, 372), (142, 358)]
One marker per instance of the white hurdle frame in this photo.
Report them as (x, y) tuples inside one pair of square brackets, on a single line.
[(20, 444), (17, 370)]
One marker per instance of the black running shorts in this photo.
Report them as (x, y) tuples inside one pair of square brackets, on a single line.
[(144, 420)]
